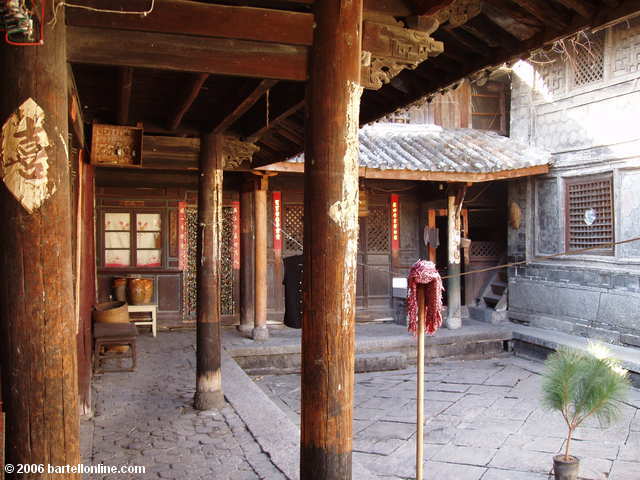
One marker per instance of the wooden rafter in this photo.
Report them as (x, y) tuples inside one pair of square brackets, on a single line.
[(188, 96), (583, 8), (493, 35), (186, 53), (543, 12), (125, 85), (235, 111), (264, 127)]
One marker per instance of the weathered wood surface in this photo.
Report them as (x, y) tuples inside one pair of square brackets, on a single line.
[(125, 85), (186, 53), (247, 246), (39, 354), (233, 112), (260, 331), (197, 18), (208, 379), (331, 241), (170, 153)]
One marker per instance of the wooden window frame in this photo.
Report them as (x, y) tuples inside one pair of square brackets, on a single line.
[(133, 239), (568, 182)]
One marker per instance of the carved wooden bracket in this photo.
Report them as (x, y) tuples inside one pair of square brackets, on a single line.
[(459, 12), (396, 48), (236, 152)]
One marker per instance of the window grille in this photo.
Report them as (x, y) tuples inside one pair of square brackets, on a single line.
[(588, 58), (378, 229), (227, 300), (398, 117), (293, 228), (590, 213)]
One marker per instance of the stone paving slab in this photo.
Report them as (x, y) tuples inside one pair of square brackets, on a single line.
[(479, 425)]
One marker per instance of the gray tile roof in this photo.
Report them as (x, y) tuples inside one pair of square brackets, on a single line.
[(429, 148)]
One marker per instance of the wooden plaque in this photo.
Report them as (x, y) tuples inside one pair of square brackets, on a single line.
[(116, 145)]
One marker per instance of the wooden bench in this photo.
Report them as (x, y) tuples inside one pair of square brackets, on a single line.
[(114, 335)]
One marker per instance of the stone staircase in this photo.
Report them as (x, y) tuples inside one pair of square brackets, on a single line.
[(492, 307)]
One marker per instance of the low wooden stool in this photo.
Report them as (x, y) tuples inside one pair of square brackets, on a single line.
[(114, 334)]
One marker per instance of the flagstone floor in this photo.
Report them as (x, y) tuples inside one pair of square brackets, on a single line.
[(483, 422)]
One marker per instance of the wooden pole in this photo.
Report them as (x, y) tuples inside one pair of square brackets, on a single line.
[(247, 249), (208, 379), (331, 241), (420, 386), (38, 341), (260, 332), (454, 320)]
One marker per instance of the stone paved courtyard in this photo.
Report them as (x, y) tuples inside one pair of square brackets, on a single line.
[(483, 422)]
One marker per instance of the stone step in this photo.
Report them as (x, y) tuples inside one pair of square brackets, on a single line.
[(380, 362)]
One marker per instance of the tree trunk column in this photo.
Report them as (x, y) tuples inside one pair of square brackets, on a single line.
[(247, 246), (454, 320), (38, 340), (208, 379), (260, 331), (330, 241)]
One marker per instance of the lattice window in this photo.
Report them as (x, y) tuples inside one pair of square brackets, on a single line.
[(587, 58), (378, 229), (484, 249), (590, 213), (227, 301), (293, 228), (398, 117)]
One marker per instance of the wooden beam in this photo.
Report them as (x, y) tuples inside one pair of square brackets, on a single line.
[(373, 173), (125, 85), (543, 12), (208, 340), (234, 112), (492, 34), (185, 53), (188, 96), (38, 326), (583, 8), (170, 153), (197, 18), (264, 128)]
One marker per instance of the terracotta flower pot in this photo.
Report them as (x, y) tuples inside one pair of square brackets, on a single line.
[(566, 470), (140, 291)]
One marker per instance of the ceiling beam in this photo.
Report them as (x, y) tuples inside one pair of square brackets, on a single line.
[(257, 133), (184, 53), (581, 7), (125, 84), (188, 96), (196, 18), (543, 12), (236, 110)]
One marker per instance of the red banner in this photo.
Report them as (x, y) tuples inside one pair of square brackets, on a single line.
[(182, 236), (236, 234), (395, 222), (276, 202)]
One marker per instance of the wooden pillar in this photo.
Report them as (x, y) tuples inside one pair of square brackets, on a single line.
[(38, 341), (454, 302), (247, 246), (208, 379), (330, 241), (260, 331)]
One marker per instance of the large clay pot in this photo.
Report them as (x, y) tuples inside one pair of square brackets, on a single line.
[(566, 470), (120, 289), (140, 291)]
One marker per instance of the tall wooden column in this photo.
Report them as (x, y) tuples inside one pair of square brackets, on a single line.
[(38, 340), (208, 378), (260, 331), (331, 241), (247, 247), (454, 302)]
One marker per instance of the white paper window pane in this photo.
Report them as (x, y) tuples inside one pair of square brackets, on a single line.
[(117, 258), (117, 239), (148, 240), (148, 221), (117, 221), (148, 258)]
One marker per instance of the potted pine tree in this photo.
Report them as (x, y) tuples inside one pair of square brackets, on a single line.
[(580, 385)]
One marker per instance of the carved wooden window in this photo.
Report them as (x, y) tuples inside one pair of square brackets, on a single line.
[(293, 228), (488, 110), (586, 58), (589, 206), (227, 301), (190, 296), (398, 117), (378, 229)]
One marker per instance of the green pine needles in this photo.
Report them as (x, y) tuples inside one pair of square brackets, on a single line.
[(581, 384)]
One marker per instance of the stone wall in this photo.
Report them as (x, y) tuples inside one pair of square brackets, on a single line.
[(590, 129)]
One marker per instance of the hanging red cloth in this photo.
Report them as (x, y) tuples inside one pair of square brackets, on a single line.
[(425, 273)]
